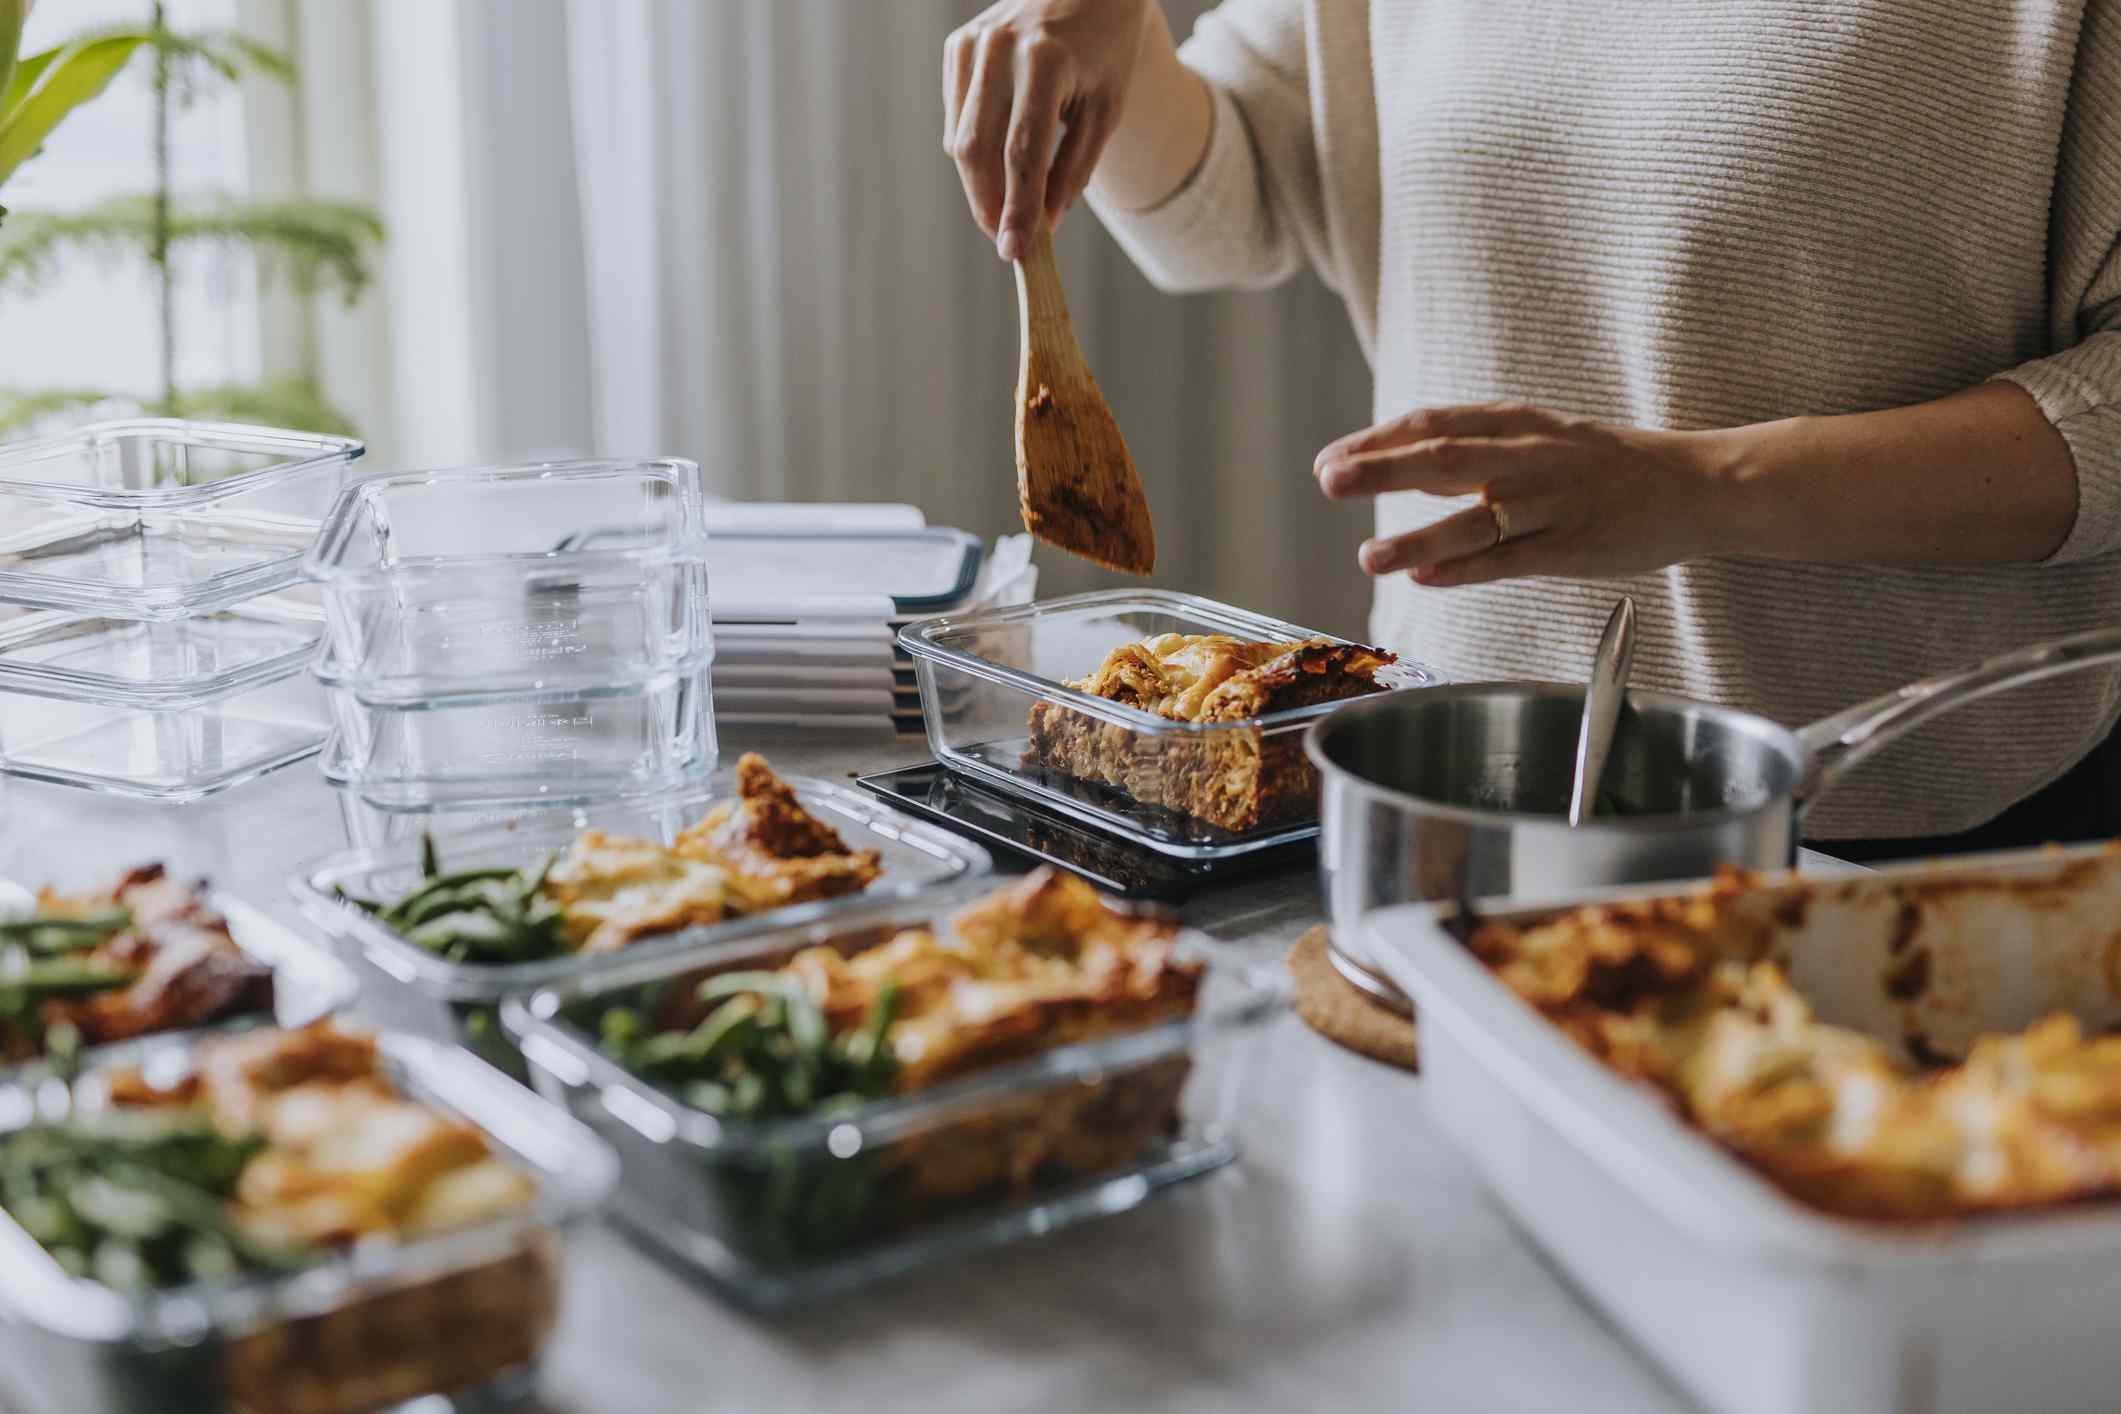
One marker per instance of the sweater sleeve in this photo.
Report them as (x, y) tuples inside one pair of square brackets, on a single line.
[(2078, 386), (1294, 129)]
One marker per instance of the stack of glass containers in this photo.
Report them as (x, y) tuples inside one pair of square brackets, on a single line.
[(517, 636), (153, 629)]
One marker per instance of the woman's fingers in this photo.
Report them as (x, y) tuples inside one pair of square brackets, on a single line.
[(1472, 531), (1445, 466), (1027, 152), (1076, 161), (959, 51), (983, 126), (1429, 424), (1512, 559)]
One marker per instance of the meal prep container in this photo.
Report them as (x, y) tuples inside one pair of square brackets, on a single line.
[(308, 983), (412, 989), (981, 674), (1462, 792), (629, 738), (478, 582), (384, 1323), (773, 1211), (156, 739), (1756, 1303), (156, 518)]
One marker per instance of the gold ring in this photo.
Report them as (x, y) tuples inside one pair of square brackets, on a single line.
[(1502, 521)]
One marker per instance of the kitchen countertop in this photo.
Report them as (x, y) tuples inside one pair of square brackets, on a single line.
[(1350, 1260)]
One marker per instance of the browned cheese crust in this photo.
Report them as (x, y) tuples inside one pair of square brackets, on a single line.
[(1678, 994), (1237, 779)]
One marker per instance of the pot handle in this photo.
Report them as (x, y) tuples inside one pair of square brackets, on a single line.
[(1834, 744)]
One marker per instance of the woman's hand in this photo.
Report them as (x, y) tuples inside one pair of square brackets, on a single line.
[(1034, 90), (1560, 495)]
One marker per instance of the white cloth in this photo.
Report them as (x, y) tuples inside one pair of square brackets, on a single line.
[(1707, 214)]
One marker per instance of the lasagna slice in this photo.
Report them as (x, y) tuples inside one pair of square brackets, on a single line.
[(1236, 779), (760, 851)]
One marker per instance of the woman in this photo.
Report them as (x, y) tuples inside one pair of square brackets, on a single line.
[(1799, 320)]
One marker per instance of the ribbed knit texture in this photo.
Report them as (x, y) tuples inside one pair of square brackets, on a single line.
[(1705, 213)]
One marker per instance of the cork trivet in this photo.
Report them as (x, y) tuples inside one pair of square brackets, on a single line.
[(1336, 1010)]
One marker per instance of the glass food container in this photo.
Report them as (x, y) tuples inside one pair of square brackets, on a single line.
[(487, 581), (988, 679), (413, 989), (156, 518), (630, 738), (167, 710), (308, 983), (465, 1312), (785, 1211)]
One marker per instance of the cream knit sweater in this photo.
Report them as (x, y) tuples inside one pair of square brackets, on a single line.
[(1701, 213)]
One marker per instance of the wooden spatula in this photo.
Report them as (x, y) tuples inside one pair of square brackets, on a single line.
[(1077, 483)]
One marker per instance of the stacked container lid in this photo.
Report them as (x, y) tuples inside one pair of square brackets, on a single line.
[(517, 636), (153, 630), (809, 600)]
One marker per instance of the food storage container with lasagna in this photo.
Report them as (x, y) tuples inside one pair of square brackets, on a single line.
[(83, 703), (480, 582), (157, 518), (981, 1130), (630, 737), (143, 953), (1007, 697), (412, 982), (1887, 1182), (463, 1312)]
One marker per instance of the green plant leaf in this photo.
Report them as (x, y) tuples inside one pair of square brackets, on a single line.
[(64, 81), (12, 13), (21, 410), (314, 244)]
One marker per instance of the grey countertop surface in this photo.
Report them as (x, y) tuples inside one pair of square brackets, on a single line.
[(1349, 1261)]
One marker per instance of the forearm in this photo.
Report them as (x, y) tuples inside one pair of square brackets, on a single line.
[(1980, 477), (1163, 128)]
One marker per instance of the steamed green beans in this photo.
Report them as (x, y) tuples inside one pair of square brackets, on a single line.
[(490, 915)]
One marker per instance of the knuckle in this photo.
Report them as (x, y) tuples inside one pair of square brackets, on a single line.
[(996, 40)]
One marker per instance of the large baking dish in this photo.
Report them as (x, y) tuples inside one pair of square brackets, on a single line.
[(981, 675), (410, 988), (481, 581), (464, 1312), (159, 741), (628, 737), (1754, 1302), (308, 983), (156, 518), (783, 1212)]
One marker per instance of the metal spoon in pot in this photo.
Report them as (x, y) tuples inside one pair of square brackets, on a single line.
[(1602, 700)]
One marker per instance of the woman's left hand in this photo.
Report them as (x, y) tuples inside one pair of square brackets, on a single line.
[(1559, 495)]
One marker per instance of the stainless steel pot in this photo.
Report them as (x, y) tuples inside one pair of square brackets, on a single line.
[(1462, 791)]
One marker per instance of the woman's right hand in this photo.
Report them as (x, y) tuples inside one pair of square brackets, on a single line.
[(1013, 79)]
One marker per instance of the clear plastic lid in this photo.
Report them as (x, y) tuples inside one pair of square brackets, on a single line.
[(160, 518)]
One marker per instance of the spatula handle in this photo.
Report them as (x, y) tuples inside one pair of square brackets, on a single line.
[(1041, 306)]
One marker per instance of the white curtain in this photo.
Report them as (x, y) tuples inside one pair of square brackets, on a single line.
[(726, 229)]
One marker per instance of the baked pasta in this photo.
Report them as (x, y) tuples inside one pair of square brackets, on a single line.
[(760, 851), (147, 955), (1678, 993), (276, 1150), (1043, 963), (1236, 779)]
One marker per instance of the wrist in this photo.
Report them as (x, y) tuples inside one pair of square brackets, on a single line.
[(1741, 508)]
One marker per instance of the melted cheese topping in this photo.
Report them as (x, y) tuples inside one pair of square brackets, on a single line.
[(1039, 964), (1667, 993)]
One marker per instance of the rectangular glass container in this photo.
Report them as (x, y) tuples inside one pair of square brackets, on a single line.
[(96, 658), (481, 581), (157, 518), (982, 674), (413, 989), (151, 742), (308, 982), (68, 1345), (518, 748), (786, 1211)]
